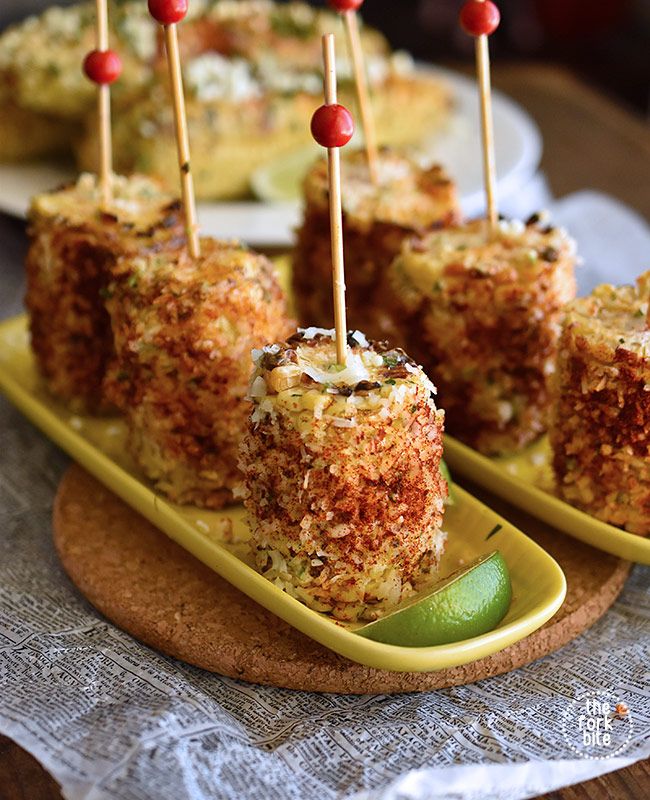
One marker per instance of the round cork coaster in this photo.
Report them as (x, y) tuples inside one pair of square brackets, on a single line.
[(153, 589)]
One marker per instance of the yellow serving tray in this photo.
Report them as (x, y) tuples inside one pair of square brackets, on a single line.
[(526, 480), (218, 539)]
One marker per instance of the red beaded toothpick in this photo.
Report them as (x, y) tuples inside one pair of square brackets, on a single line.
[(332, 127), (348, 9), (346, 5), (480, 18), (168, 13), (103, 66)]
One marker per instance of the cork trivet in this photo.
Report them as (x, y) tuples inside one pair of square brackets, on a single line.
[(153, 589)]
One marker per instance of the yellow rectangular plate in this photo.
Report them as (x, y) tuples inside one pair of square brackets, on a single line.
[(526, 480), (219, 538)]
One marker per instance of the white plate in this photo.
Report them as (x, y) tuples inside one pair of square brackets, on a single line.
[(518, 151)]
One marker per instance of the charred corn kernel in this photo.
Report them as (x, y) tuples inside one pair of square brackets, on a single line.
[(284, 377)]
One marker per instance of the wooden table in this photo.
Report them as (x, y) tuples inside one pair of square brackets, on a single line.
[(589, 142)]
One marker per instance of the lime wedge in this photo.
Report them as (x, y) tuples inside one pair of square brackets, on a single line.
[(469, 602), (281, 179)]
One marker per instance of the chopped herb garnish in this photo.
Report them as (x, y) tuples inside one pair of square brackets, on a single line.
[(285, 23)]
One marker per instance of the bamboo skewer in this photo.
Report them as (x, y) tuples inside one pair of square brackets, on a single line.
[(487, 130), (104, 113), (480, 18), (336, 229), (182, 139), (363, 97)]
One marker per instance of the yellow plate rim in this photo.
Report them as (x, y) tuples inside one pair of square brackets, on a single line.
[(316, 626)]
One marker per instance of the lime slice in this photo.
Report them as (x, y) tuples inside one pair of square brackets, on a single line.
[(281, 179), (471, 601)]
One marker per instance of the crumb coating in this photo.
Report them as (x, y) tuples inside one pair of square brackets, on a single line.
[(73, 247), (483, 317), (600, 426), (342, 470), (183, 331), (407, 200)]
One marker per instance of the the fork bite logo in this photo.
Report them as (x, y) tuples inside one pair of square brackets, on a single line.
[(595, 723), (597, 726)]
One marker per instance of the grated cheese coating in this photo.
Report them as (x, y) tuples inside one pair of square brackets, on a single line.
[(74, 246), (408, 200), (343, 488), (600, 426), (483, 316), (183, 329)]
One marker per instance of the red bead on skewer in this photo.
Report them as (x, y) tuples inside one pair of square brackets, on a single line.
[(332, 125), (102, 66), (479, 17), (167, 12), (345, 5)]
